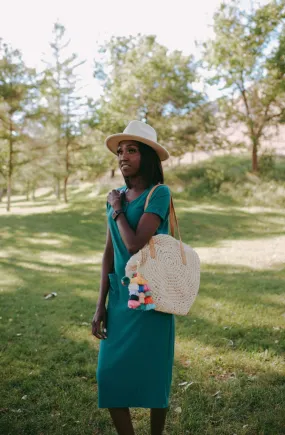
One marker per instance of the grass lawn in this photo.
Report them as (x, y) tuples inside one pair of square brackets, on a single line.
[(229, 364)]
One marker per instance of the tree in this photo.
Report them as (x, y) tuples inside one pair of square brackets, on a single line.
[(246, 58), (143, 80), (17, 84), (62, 108)]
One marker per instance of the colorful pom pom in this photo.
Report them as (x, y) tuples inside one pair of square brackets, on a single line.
[(141, 298), (148, 300), (133, 304), (125, 280), (134, 298), (149, 307), (133, 287)]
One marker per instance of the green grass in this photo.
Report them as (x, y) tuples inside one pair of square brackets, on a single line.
[(231, 345)]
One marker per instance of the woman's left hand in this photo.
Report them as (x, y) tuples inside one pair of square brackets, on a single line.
[(115, 199)]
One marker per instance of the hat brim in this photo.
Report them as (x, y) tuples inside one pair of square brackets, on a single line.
[(112, 143)]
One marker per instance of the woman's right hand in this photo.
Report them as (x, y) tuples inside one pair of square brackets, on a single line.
[(99, 322)]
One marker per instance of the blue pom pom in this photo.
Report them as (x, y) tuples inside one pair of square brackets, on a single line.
[(149, 307), (140, 288)]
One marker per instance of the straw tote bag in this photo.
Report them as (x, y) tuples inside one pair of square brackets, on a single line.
[(165, 274)]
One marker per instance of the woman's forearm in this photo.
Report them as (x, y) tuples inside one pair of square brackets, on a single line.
[(127, 233), (146, 228), (107, 267)]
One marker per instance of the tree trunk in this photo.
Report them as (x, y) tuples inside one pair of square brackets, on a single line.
[(34, 191), (27, 190), (65, 189), (58, 188), (113, 173), (3, 190), (10, 167), (254, 157), (66, 171)]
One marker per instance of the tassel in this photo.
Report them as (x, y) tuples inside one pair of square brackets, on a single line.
[(148, 300), (133, 287), (141, 298), (149, 307), (133, 304), (133, 298), (125, 280)]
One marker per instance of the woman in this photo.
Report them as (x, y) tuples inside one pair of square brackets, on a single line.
[(137, 348)]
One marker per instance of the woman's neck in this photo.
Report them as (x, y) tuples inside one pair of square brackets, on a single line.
[(137, 183)]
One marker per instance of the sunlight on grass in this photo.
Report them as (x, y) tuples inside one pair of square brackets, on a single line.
[(275, 299), (8, 281), (53, 257), (258, 253), (49, 242)]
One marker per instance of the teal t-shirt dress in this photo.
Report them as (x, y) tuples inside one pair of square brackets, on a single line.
[(135, 360)]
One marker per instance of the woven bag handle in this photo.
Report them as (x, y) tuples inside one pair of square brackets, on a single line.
[(173, 221)]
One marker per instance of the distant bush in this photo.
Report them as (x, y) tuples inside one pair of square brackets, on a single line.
[(267, 162), (214, 178), (229, 179)]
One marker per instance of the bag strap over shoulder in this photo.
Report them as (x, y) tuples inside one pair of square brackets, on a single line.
[(173, 222)]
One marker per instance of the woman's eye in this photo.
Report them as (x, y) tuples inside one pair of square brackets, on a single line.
[(132, 150)]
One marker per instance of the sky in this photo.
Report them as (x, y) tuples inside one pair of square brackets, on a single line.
[(27, 25)]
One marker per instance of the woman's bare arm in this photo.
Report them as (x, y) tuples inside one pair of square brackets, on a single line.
[(135, 240), (107, 267)]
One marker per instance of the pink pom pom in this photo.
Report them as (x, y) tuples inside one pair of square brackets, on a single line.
[(133, 304), (146, 288)]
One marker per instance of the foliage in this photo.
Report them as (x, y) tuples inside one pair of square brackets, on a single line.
[(246, 58), (147, 82), (267, 162), (17, 94), (214, 178), (61, 107)]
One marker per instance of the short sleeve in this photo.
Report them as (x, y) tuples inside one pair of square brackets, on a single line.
[(159, 202)]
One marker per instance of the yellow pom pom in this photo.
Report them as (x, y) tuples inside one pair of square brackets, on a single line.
[(141, 280)]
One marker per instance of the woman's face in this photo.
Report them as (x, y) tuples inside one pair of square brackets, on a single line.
[(129, 158)]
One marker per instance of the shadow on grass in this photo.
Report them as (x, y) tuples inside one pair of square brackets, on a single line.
[(85, 226), (236, 305)]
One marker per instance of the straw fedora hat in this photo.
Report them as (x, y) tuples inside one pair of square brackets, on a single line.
[(140, 131)]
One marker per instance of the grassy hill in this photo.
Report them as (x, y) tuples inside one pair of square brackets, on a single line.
[(229, 359)]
